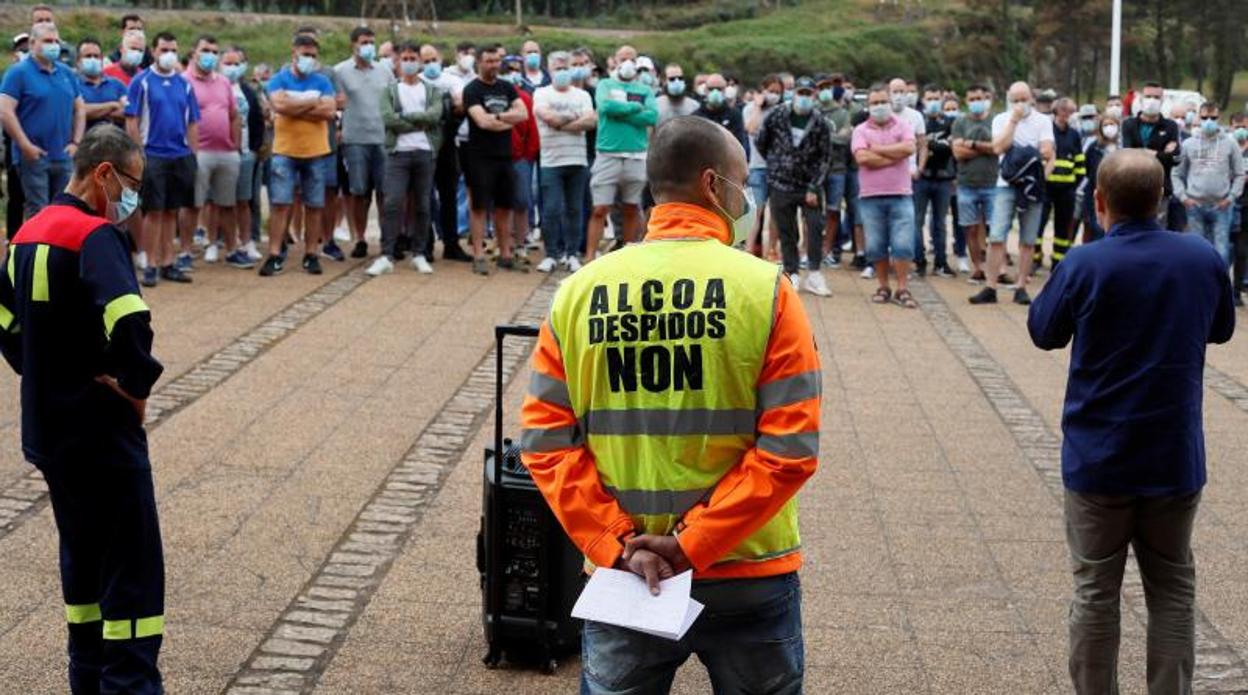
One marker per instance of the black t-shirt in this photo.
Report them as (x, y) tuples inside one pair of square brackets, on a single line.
[(495, 98)]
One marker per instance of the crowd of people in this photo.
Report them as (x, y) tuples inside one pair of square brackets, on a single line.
[(524, 146)]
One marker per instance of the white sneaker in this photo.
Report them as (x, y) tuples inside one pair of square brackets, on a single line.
[(342, 234), (140, 260), (795, 280), (868, 273), (574, 264), (381, 266), (848, 246), (816, 285), (420, 264), (964, 265), (212, 254), (252, 252), (548, 264)]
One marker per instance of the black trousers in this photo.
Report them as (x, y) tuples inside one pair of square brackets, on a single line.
[(1239, 250), (446, 183), (785, 207), (13, 212), (1059, 205), (112, 574)]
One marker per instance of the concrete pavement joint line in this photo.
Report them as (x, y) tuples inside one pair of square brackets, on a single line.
[(1227, 386), (23, 499), (1219, 667), (303, 641)]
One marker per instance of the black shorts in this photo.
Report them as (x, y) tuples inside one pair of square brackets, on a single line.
[(491, 182), (168, 183)]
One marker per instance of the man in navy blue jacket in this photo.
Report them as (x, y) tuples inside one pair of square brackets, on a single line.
[(1141, 306)]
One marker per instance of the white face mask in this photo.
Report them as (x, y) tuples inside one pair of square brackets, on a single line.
[(627, 70), (1151, 106), (1110, 131), (467, 62), (743, 224)]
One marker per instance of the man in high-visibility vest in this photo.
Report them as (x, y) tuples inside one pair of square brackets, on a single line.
[(673, 414), (73, 325)]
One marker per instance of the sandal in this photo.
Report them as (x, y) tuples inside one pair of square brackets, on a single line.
[(882, 296), (905, 299)]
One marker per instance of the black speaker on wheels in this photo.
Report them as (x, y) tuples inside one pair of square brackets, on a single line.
[(530, 570)]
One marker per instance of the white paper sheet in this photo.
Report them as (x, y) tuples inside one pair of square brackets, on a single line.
[(622, 598)]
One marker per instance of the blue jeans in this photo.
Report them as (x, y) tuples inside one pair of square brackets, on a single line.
[(749, 637), (42, 179), (563, 195), (524, 186), (307, 175), (366, 168), (835, 187), (1003, 212), (888, 225), (851, 217), (757, 182), (936, 194), (1206, 219)]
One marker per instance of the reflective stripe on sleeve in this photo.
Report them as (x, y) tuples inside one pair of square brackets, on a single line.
[(542, 440), (693, 421), (793, 389), (549, 389), (12, 268), (119, 308), (657, 502), (798, 445), (6, 318), (77, 614), (39, 283)]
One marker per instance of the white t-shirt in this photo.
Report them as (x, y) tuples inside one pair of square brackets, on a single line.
[(561, 148), (756, 159), (1030, 132), (412, 98), (244, 109), (919, 124)]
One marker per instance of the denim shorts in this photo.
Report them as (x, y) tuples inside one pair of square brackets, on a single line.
[(246, 177), (835, 187), (888, 224), (305, 175), (366, 168), (1003, 217), (975, 204), (758, 183), (330, 165)]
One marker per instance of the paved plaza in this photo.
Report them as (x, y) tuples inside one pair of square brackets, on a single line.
[(316, 444)]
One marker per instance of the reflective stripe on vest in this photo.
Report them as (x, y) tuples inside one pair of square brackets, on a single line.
[(663, 344)]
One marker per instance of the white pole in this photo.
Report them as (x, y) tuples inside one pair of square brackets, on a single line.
[(1115, 49)]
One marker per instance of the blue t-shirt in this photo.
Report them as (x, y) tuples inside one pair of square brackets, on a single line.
[(108, 89), (165, 105), (45, 105)]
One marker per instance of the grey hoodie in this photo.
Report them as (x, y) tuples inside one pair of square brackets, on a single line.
[(1210, 169)]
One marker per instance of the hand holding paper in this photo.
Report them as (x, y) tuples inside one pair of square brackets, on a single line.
[(622, 598)]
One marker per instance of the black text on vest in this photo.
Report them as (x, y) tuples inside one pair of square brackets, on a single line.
[(654, 333)]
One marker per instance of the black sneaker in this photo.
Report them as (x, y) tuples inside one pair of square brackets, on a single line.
[(360, 250), (977, 278), (1021, 297), (512, 265), (172, 274), (402, 245), (454, 252), (920, 268), (985, 296), (332, 251), (943, 270), (312, 264), (859, 262), (399, 254), (273, 265), (1005, 280), (619, 244)]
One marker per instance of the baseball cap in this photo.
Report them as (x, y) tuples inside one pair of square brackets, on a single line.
[(644, 63), (20, 39), (804, 83), (1046, 95), (1088, 111)]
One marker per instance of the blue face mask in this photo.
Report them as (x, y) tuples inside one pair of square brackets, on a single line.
[(1241, 134), (91, 67), (715, 98), (978, 108), (367, 52), (410, 67), (50, 51), (533, 61), (562, 78), (826, 97), (676, 87), (306, 65), (932, 106), (207, 61), (133, 57), (646, 78), (788, 95), (803, 104), (1209, 126), (233, 73), (119, 211), (838, 93), (433, 70), (580, 73)]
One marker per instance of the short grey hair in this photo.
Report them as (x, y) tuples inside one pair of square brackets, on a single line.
[(39, 31), (135, 34), (104, 143), (558, 57)]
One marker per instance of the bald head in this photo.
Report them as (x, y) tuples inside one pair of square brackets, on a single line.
[(682, 150), (716, 81), (624, 53), (1129, 186), (1019, 91)]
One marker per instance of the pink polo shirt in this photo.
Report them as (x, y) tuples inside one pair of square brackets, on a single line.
[(890, 180), (216, 106)]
